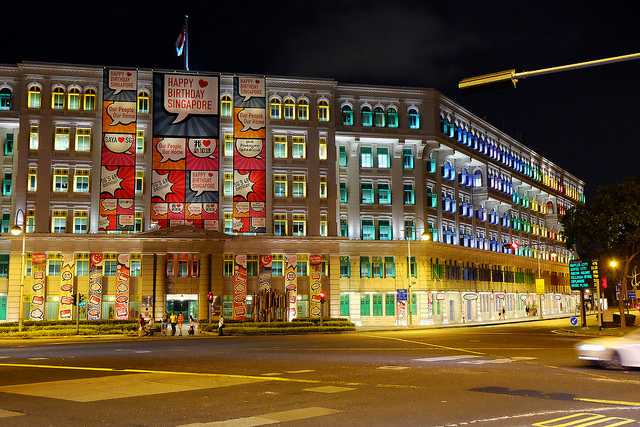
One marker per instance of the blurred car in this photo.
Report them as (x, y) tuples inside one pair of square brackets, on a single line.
[(612, 352)]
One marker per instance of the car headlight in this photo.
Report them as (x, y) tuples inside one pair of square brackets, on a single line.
[(591, 347)]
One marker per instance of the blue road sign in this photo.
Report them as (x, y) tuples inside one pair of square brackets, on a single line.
[(573, 321), (632, 294), (402, 295)]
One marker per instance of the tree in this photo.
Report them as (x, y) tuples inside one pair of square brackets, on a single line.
[(608, 225)]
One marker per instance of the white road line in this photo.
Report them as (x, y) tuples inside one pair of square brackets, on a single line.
[(445, 358), (37, 358), (6, 414), (300, 371), (521, 358), (329, 389), (5, 357), (271, 374), (486, 361), (393, 368), (271, 418)]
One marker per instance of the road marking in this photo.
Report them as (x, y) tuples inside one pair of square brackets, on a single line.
[(300, 371), (149, 371), (521, 358), (271, 374), (6, 414), (486, 361), (271, 418), (329, 389), (393, 368), (462, 350), (607, 402), (142, 351), (37, 358), (584, 419), (5, 357), (445, 358)]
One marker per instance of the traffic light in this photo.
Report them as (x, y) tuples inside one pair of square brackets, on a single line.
[(210, 297), (322, 297), (604, 282)]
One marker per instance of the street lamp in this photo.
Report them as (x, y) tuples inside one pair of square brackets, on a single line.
[(424, 236), (613, 263), (18, 230)]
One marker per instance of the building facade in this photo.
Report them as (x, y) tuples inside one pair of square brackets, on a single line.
[(402, 206)]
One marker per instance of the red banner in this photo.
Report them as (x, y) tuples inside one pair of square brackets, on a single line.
[(315, 286), (38, 287), (239, 281), (291, 286), (122, 287), (94, 305)]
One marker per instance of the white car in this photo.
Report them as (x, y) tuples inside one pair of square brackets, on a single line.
[(612, 352)]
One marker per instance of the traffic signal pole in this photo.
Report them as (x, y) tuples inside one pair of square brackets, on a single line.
[(583, 311)]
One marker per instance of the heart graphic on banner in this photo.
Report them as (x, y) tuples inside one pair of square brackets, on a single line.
[(128, 73), (203, 83), (206, 142), (121, 139), (210, 173)]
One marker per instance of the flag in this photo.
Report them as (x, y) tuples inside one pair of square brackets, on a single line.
[(180, 41)]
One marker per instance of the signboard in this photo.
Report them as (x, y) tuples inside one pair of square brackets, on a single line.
[(122, 287), (65, 310), (573, 320), (540, 286), (239, 282), (94, 312), (631, 294), (580, 275), (402, 298), (315, 286), (38, 286), (291, 286)]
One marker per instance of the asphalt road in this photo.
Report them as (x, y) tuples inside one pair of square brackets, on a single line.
[(511, 375)]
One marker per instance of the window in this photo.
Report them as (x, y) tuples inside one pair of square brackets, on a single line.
[(226, 106), (228, 222), (228, 145), (5, 99), (385, 231), (279, 224), (31, 221), (342, 159), (323, 111), (34, 97), (276, 108), (89, 100), (299, 225), (299, 186), (408, 194), (378, 117), (383, 157), (277, 265), (8, 144), (140, 141), (407, 158), (61, 139), (138, 222), (33, 137), (303, 109), (73, 99), (384, 193), (228, 265), (344, 227), (324, 225), (4, 223), (80, 222), (368, 230), (81, 181), (57, 98), (414, 118), (279, 146), (347, 115), (365, 267), (7, 184), (82, 264), (59, 222), (228, 184), (344, 193), (377, 305), (54, 264), (280, 185), (143, 102), (298, 147), (83, 139), (111, 265), (60, 180), (32, 179), (302, 265), (392, 117), (366, 193), (389, 266), (477, 179), (366, 158), (289, 109), (323, 187), (345, 266), (136, 265), (322, 148), (139, 181), (412, 267), (366, 117)]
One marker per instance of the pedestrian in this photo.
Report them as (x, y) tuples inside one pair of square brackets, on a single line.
[(173, 319), (192, 325), (221, 326), (180, 323), (527, 309), (504, 314), (141, 322), (165, 322)]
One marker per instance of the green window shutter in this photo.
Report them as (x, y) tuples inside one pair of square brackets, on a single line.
[(365, 305), (377, 304), (390, 305), (344, 305)]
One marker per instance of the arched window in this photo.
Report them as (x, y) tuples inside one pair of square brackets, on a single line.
[(34, 97), (89, 100), (225, 106), (57, 98), (143, 102), (5, 99), (347, 115), (323, 111), (550, 207), (303, 109), (477, 178), (414, 118), (276, 108), (289, 109), (366, 116), (392, 117), (378, 117), (73, 99)]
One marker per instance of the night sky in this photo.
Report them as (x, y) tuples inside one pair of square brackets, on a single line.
[(585, 121)]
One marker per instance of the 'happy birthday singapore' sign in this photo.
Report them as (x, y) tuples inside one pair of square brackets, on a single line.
[(184, 187)]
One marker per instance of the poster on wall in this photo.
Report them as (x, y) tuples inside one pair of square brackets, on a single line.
[(239, 282), (122, 287), (315, 286), (402, 298), (249, 155), (38, 285), (118, 150), (264, 275), (291, 286), (94, 305), (185, 150), (65, 311)]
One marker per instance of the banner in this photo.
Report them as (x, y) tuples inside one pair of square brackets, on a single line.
[(264, 276), (122, 287), (118, 150), (185, 150), (291, 286), (239, 282), (315, 286), (402, 297), (38, 286), (249, 155), (65, 311), (94, 305)]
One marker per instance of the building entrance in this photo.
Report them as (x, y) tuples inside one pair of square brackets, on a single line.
[(187, 304)]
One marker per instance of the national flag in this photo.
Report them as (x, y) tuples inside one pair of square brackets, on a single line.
[(180, 42)]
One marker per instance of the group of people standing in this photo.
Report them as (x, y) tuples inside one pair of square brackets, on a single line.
[(177, 324)]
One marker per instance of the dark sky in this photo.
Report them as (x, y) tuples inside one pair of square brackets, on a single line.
[(585, 121)]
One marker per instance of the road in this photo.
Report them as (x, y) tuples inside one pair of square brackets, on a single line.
[(510, 375)]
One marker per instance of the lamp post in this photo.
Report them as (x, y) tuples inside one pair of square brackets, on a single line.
[(423, 236), (18, 230)]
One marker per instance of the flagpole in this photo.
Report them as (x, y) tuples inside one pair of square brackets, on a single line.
[(186, 42)]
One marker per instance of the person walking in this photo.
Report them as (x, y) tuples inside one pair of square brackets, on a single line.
[(221, 326), (192, 325), (142, 323), (180, 323), (504, 314), (165, 321), (173, 319)]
